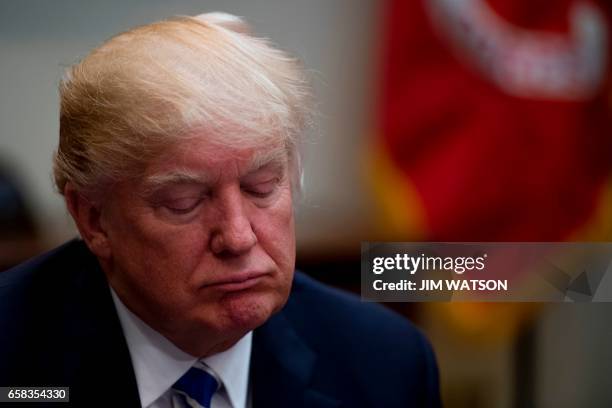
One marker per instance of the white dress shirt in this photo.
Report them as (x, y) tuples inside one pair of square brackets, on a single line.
[(158, 364)]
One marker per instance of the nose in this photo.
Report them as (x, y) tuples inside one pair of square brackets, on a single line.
[(232, 233)]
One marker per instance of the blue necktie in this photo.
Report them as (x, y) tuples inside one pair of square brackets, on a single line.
[(196, 385)]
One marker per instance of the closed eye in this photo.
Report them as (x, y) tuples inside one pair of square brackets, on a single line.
[(182, 205), (263, 189)]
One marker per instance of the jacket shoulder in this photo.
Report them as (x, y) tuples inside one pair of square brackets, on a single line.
[(344, 312), (376, 344), (34, 295), (57, 261)]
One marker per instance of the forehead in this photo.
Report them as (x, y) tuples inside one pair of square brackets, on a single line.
[(205, 159)]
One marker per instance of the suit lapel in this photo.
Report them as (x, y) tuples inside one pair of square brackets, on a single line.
[(281, 368), (101, 370)]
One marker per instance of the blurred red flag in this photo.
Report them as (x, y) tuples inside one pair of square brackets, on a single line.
[(495, 118)]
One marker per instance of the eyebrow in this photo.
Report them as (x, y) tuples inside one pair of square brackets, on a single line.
[(276, 158), (270, 158), (179, 176)]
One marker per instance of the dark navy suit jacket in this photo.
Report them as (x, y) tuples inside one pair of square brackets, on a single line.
[(58, 326)]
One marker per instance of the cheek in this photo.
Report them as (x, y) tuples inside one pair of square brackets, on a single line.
[(174, 256), (158, 255), (276, 234)]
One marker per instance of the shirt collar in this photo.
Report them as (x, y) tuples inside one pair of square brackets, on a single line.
[(158, 363), (232, 366)]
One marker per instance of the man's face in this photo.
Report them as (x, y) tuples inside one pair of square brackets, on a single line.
[(203, 247)]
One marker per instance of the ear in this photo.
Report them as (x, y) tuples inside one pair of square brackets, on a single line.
[(87, 216)]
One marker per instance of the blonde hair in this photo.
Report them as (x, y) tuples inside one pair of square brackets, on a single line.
[(144, 89)]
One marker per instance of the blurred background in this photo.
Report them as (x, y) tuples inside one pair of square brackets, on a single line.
[(440, 120)]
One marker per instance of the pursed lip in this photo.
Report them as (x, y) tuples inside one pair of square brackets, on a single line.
[(239, 281)]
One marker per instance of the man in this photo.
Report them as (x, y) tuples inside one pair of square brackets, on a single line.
[(178, 162)]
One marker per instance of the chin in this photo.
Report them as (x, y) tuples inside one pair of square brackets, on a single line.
[(247, 311)]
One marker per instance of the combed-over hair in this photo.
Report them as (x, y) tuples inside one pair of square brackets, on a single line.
[(142, 90)]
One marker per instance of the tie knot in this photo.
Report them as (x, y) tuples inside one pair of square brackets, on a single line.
[(197, 386)]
